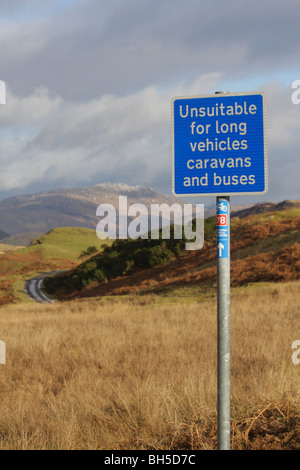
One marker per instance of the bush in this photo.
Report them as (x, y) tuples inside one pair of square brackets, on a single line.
[(159, 256), (122, 257), (91, 250), (210, 229)]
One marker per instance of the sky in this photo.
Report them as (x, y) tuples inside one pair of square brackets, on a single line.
[(90, 84)]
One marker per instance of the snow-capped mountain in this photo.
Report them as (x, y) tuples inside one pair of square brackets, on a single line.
[(71, 207)]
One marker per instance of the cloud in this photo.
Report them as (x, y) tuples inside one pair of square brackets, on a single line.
[(32, 109), (122, 138), (97, 47), (110, 138), (283, 117), (90, 85)]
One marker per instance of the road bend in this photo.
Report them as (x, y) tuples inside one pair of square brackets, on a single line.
[(34, 288)]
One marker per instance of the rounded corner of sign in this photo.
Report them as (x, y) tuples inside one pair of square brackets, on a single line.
[(174, 193), (266, 187)]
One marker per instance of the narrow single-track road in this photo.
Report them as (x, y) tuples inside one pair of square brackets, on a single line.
[(33, 288)]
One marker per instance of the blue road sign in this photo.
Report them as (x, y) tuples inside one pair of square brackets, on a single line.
[(223, 229), (219, 145)]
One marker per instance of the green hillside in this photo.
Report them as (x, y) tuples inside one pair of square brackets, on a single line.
[(4, 248), (264, 247), (59, 249), (66, 243), (121, 258)]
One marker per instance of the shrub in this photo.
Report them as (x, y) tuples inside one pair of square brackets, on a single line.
[(159, 256), (122, 257), (91, 250)]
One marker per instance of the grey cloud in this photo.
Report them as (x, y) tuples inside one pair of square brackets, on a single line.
[(126, 139), (116, 47), (75, 115)]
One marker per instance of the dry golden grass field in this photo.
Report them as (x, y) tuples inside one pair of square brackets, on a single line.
[(140, 372)]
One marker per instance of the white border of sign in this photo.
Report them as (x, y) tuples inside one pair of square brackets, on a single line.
[(217, 96)]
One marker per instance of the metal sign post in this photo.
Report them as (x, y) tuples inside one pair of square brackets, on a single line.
[(223, 318), (2, 101), (223, 309)]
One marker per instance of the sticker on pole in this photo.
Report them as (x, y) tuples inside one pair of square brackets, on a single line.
[(222, 230), (219, 145)]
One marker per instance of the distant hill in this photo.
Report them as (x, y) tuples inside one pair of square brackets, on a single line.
[(44, 211), (22, 239), (3, 235), (265, 207), (76, 207)]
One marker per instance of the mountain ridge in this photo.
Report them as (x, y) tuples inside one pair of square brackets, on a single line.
[(264, 207), (76, 207), (69, 207)]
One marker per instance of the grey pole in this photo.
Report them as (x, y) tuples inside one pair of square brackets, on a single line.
[(223, 309), (223, 312)]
